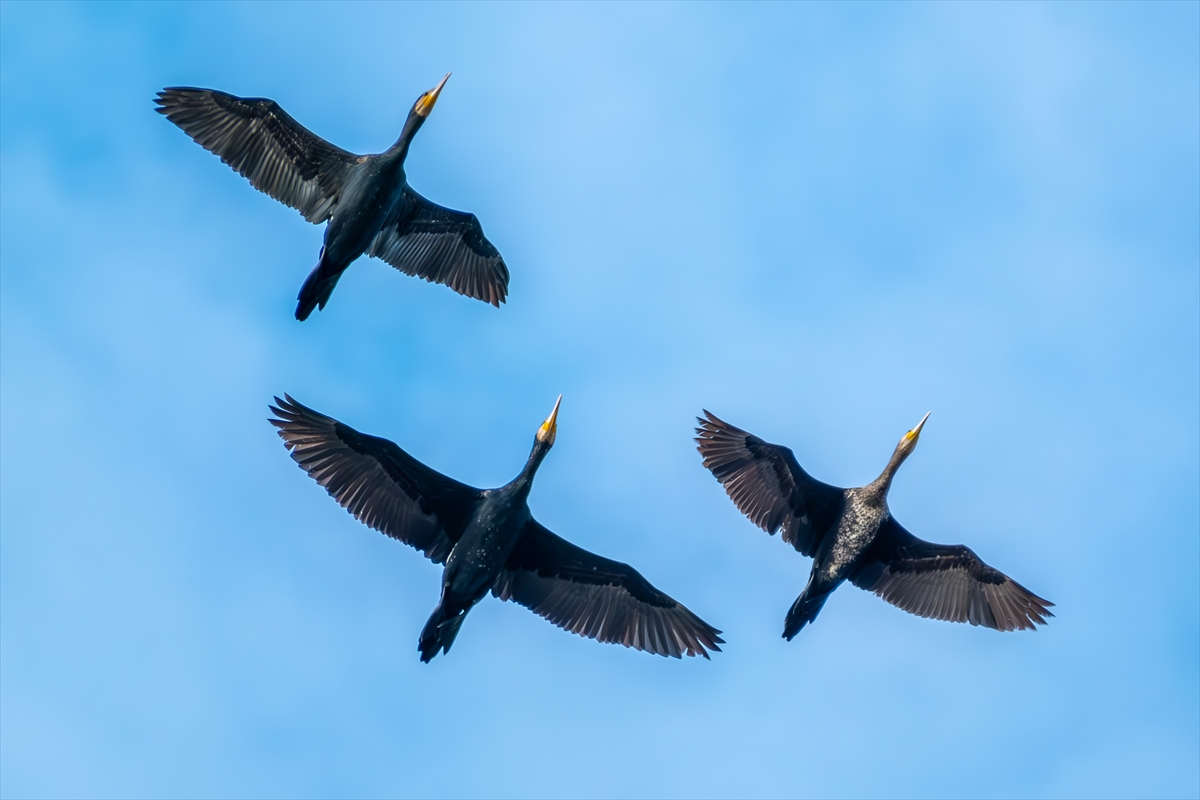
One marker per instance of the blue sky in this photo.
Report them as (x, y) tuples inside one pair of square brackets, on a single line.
[(817, 221)]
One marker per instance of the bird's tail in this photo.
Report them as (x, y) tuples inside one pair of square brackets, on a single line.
[(316, 289), (439, 633), (804, 610)]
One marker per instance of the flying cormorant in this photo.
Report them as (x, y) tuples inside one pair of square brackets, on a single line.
[(366, 199), (850, 534), (487, 539)]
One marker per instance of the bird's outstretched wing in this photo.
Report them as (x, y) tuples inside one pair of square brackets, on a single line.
[(768, 485), (443, 246), (262, 142), (380, 484), (599, 598), (946, 582)]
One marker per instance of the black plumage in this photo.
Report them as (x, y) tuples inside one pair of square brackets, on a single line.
[(366, 199), (488, 540), (850, 535)]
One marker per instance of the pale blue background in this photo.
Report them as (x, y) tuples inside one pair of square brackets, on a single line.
[(818, 221)]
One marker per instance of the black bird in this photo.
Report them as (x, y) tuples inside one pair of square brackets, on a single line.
[(850, 534), (488, 540), (366, 199)]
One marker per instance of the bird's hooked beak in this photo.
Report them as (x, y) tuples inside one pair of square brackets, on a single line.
[(549, 428), (915, 433), (425, 104)]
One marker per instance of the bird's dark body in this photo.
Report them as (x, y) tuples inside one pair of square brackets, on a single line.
[(488, 541), (497, 521), (373, 197), (366, 199), (373, 194), (844, 544), (843, 548), (850, 535)]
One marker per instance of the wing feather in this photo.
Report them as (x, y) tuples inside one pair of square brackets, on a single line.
[(261, 142), (443, 246), (381, 485), (599, 598), (947, 582), (768, 485)]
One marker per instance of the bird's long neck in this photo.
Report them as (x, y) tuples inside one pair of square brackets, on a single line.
[(884, 482), (411, 126), (524, 482)]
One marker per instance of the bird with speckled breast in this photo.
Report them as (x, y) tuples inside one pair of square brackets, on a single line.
[(488, 540), (366, 199), (851, 535)]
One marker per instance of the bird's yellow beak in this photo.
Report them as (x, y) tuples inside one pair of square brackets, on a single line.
[(916, 432), (425, 104), (549, 428)]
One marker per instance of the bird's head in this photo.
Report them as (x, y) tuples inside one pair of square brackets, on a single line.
[(908, 442), (426, 101), (549, 428)]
